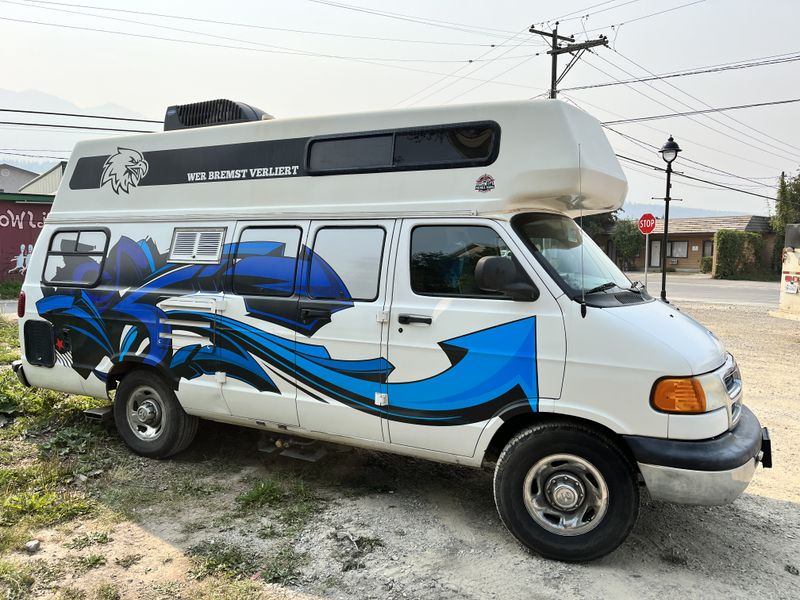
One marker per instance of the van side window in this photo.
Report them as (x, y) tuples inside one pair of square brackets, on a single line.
[(266, 261), (75, 258), (443, 259), (346, 263), (436, 147)]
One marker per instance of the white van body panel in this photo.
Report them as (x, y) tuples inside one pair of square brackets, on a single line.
[(417, 350), (538, 168), (361, 376)]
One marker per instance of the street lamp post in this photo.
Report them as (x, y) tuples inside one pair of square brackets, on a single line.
[(669, 152)]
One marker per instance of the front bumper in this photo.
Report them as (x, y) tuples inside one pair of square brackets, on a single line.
[(707, 472)]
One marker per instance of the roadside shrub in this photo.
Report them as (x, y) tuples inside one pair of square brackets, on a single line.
[(628, 241), (738, 254), (706, 263), (9, 289)]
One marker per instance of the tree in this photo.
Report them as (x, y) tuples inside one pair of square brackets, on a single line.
[(597, 225), (627, 240), (787, 204), (787, 211)]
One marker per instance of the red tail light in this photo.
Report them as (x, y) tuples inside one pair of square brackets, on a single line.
[(21, 305)]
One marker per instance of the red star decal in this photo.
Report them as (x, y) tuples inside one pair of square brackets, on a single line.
[(59, 344)]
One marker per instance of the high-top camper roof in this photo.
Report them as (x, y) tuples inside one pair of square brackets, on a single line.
[(490, 159)]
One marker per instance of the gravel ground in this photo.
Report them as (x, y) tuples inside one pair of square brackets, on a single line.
[(391, 527)]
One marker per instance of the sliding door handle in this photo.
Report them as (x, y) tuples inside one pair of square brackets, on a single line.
[(311, 314), (406, 319)]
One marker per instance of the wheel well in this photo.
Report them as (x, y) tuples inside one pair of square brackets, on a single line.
[(120, 370), (519, 422)]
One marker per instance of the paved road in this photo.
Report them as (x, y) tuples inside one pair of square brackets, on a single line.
[(8, 307), (701, 288)]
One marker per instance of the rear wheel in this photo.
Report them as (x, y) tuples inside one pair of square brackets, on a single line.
[(566, 491), (149, 418)]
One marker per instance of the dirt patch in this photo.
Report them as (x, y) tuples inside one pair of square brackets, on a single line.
[(225, 521)]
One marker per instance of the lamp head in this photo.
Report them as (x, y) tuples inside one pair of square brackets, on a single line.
[(669, 151)]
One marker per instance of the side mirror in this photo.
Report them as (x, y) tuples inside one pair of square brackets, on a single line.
[(501, 274)]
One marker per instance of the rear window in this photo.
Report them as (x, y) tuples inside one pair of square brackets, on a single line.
[(75, 257)]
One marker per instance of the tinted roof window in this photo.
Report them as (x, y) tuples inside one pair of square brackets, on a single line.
[(453, 145), (351, 153)]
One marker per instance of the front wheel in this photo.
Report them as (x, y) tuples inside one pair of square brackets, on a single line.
[(149, 418), (566, 491)]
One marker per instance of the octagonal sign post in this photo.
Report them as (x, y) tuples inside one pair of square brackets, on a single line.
[(647, 223)]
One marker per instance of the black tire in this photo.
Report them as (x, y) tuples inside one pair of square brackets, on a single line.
[(532, 451), (170, 431)]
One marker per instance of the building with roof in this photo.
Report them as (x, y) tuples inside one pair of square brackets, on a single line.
[(21, 220), (691, 239), (12, 178), (47, 182)]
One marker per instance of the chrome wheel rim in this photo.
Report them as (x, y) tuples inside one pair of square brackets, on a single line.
[(565, 494), (145, 411)]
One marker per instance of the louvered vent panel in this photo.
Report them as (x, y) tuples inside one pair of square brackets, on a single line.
[(197, 245)]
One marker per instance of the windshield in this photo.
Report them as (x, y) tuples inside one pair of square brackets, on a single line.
[(569, 254)]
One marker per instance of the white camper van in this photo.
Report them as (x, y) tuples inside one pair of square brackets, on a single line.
[(407, 281)]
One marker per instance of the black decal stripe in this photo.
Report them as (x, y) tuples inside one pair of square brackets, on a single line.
[(168, 167)]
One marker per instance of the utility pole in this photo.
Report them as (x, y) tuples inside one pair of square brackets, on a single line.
[(571, 47)]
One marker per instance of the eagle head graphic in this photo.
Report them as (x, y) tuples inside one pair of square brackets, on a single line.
[(124, 170)]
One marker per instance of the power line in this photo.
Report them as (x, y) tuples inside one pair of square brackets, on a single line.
[(699, 112), (678, 174), (650, 148), (59, 126), (581, 15), (272, 47), (716, 170), (789, 57), (414, 19), (647, 16), (751, 141), (730, 118), (683, 137), (214, 45), (477, 85), (63, 114), (261, 27), (450, 76), (32, 155)]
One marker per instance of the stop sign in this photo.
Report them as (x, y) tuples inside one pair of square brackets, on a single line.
[(647, 223)]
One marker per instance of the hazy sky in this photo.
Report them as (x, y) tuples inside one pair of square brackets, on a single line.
[(245, 51)]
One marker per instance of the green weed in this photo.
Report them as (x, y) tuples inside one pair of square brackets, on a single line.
[(231, 590), (127, 561), (107, 591), (9, 340), (88, 539), (294, 504), (91, 561), (219, 558), (283, 566), (37, 409), (264, 493), (15, 580), (42, 507)]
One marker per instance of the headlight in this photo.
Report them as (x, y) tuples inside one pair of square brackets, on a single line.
[(690, 395)]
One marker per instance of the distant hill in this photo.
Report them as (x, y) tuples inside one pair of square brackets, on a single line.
[(633, 210)]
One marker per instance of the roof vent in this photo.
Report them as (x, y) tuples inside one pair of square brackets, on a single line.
[(211, 112)]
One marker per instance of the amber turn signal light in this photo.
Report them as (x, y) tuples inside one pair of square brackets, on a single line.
[(684, 395)]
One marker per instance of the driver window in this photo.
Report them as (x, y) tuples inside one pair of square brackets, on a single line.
[(443, 259)]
